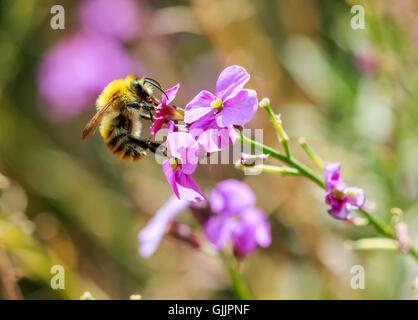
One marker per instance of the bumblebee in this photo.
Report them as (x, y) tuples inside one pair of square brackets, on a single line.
[(120, 108)]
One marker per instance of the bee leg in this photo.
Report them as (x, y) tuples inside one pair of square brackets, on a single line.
[(138, 106), (148, 107), (133, 105), (145, 116), (146, 144)]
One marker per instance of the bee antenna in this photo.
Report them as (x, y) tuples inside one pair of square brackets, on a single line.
[(155, 84), (155, 81)]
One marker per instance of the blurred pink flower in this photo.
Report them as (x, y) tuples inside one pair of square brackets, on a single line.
[(74, 71), (229, 215), (236, 218), (120, 20), (150, 236), (366, 60), (402, 237), (231, 196)]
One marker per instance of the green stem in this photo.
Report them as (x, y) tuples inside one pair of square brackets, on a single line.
[(276, 169), (316, 159), (277, 123), (240, 288), (383, 229), (304, 170), (307, 172), (373, 244), (413, 251)]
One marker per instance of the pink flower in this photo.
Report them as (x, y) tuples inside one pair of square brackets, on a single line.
[(164, 111), (231, 196), (76, 69), (119, 20), (212, 116), (366, 60), (149, 238), (229, 215), (210, 136), (236, 218), (342, 200), (183, 157)]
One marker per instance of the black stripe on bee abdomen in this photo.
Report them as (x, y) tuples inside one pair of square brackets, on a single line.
[(122, 146)]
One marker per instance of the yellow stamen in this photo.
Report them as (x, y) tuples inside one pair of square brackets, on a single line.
[(351, 194), (216, 104), (338, 194), (173, 163)]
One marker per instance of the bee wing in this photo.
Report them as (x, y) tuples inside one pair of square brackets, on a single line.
[(92, 125)]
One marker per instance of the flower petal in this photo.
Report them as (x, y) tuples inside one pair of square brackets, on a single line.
[(355, 197), (208, 134), (332, 200), (150, 236), (214, 140), (231, 197), (171, 94), (171, 126), (243, 239), (170, 175), (182, 146), (239, 109), (262, 231), (341, 212), (231, 80), (218, 230), (187, 187), (332, 176), (199, 106), (156, 125)]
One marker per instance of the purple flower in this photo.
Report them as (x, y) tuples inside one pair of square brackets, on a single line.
[(183, 157), (231, 196), (232, 216), (230, 105), (76, 69), (118, 20), (341, 199), (150, 236), (164, 110), (236, 218)]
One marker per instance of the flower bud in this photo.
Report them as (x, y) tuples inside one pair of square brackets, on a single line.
[(401, 235), (264, 103)]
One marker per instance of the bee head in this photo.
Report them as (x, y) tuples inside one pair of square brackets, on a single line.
[(140, 89), (143, 87)]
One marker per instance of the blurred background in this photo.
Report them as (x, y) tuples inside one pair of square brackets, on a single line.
[(65, 201)]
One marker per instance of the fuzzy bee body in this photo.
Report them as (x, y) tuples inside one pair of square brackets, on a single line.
[(119, 109), (115, 134)]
